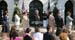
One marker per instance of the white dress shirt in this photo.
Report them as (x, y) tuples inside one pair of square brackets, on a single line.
[(38, 36)]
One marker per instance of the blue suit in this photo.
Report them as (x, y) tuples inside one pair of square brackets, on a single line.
[(5, 27)]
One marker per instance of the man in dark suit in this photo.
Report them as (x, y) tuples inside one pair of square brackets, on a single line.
[(59, 23)]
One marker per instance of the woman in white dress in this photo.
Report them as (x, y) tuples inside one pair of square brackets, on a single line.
[(25, 21), (17, 21), (69, 21)]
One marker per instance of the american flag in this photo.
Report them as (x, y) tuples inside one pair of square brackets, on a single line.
[(23, 7)]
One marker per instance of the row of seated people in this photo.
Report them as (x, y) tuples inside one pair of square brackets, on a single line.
[(37, 35)]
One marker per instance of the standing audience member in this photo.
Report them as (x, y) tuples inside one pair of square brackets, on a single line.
[(59, 23), (17, 20), (49, 35), (25, 21), (69, 21), (27, 35), (64, 35), (13, 33), (51, 21), (72, 36), (37, 35), (58, 32)]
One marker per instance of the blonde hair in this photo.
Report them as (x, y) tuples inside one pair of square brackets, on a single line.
[(68, 13)]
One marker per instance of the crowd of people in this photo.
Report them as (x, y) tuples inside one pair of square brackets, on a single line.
[(37, 35), (50, 23), (62, 32)]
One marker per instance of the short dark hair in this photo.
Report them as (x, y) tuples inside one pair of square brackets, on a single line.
[(28, 30), (48, 28), (65, 30), (36, 29), (50, 12)]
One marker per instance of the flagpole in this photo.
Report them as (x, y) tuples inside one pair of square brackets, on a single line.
[(48, 9), (23, 8)]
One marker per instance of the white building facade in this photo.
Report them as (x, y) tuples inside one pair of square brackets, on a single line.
[(60, 6)]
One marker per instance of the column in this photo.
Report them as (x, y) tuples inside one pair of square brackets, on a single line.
[(73, 12)]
